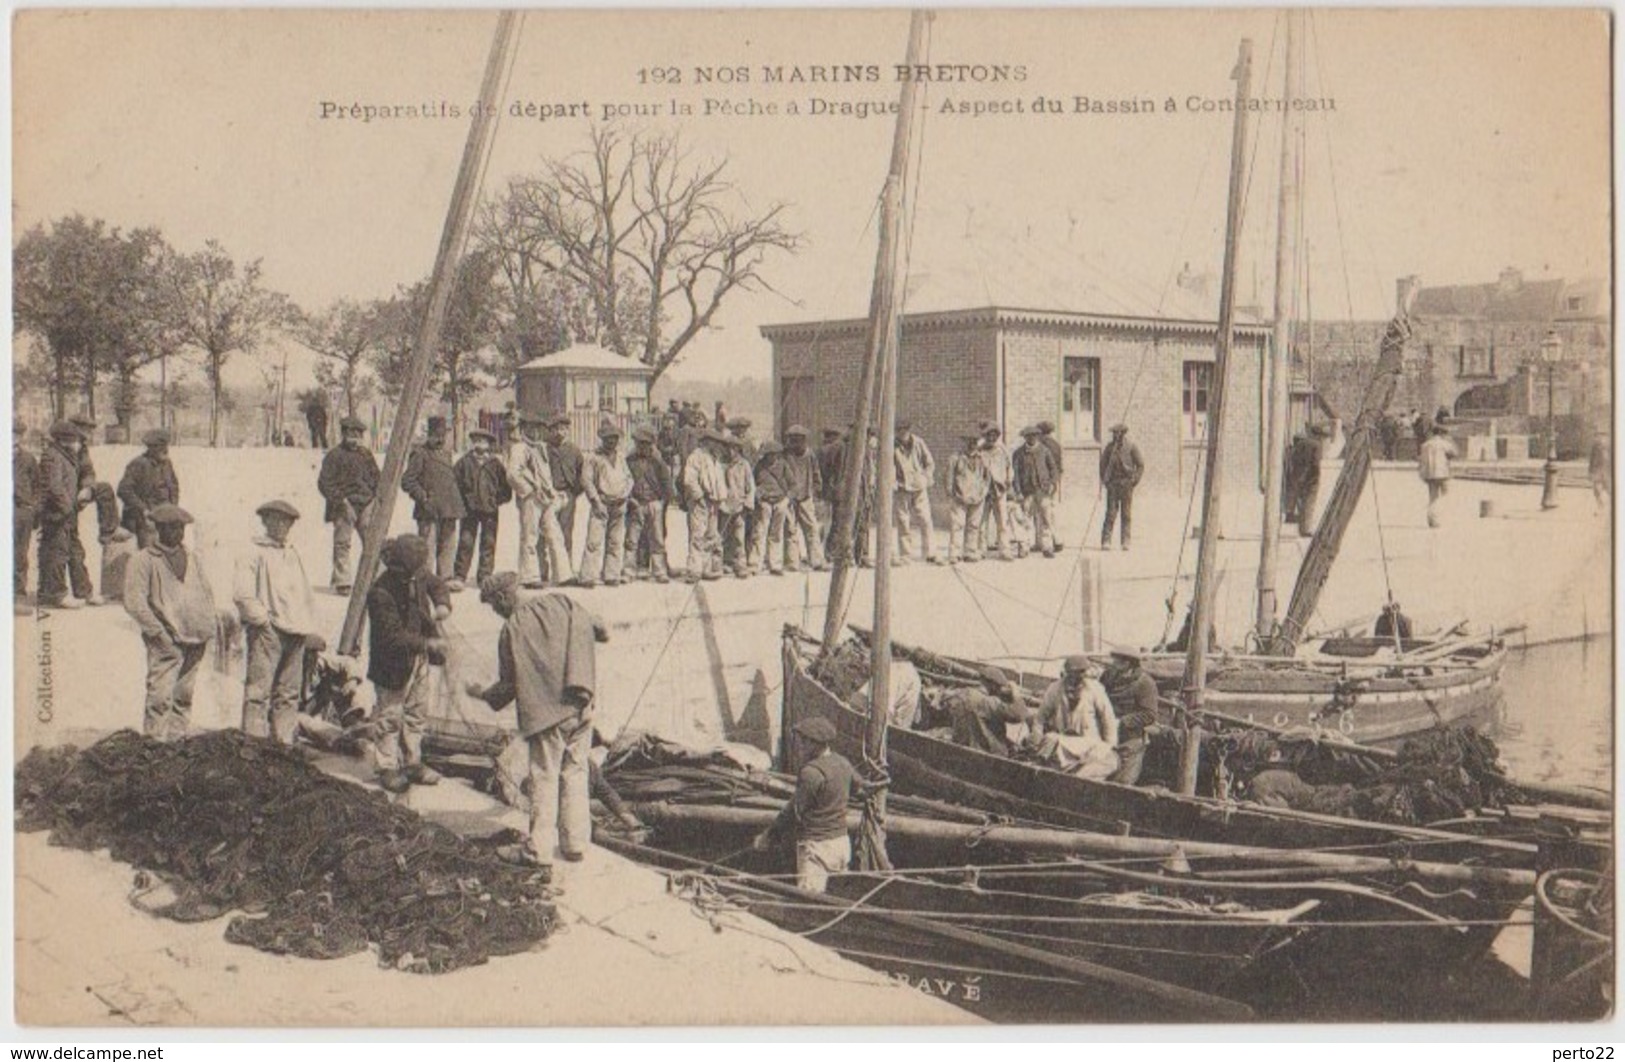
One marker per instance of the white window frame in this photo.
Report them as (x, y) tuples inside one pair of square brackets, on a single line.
[(1081, 422), (1195, 389)]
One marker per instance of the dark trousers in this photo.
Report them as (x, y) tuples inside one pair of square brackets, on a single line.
[(646, 537), (22, 523), (1119, 502), (482, 526), (55, 546), (78, 569), (106, 502)]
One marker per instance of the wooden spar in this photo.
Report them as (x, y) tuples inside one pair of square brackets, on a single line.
[(1207, 559), (1280, 363), (1053, 842), (453, 236), (884, 329)]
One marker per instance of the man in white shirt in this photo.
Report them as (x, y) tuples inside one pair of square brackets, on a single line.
[(278, 611), (1075, 729)]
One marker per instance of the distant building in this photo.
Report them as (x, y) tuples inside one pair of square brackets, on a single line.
[(591, 384)]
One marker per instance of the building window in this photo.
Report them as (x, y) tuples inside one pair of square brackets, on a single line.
[(606, 396), (1198, 386), (1476, 361), (585, 394), (1080, 400)]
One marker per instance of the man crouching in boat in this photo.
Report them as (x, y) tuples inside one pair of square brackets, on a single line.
[(982, 717), (1075, 729), (817, 813)]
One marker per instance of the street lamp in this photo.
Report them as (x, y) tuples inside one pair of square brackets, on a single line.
[(1551, 352)]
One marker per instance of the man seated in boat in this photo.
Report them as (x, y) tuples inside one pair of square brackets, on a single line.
[(1075, 728), (1133, 694), (982, 716), (1393, 622)]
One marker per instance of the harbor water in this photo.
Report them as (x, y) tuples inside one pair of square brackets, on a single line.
[(1558, 724)]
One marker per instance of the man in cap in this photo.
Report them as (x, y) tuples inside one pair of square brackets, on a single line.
[(704, 488), (167, 593), (606, 481), (531, 476), (1303, 475), (1075, 728), (739, 428), (25, 501), (405, 607), (995, 531), (916, 472), (58, 514), (749, 451), (1433, 465), (483, 482), (431, 482), (1121, 467), (981, 717), (1046, 437), (967, 493), (93, 491), (274, 602), (149, 481), (348, 484), (646, 518), (568, 464), (547, 667), (1133, 695), (815, 818), (803, 484), (772, 509), (734, 512), (1036, 483)]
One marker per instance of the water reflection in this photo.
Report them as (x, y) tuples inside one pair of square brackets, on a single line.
[(1558, 725)]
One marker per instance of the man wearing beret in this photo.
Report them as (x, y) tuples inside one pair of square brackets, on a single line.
[(431, 482), (1121, 467), (1075, 729), (404, 609), (167, 593), (483, 483), (815, 818), (349, 484), (24, 506), (606, 481), (58, 514), (274, 602), (646, 518), (149, 481)]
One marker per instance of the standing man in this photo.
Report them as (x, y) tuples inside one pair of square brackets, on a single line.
[(1075, 729), (646, 518), (568, 463), (1121, 467), (1433, 465), (25, 503), (1304, 476), (167, 593), (541, 539), (748, 451), (430, 481), (404, 610), (349, 484), (149, 481), (802, 486), (547, 667), (607, 482), (483, 482), (967, 494), (996, 513), (274, 603), (1036, 485), (316, 420), (739, 502), (1046, 436), (58, 514), (772, 510), (816, 816), (1134, 698), (916, 472), (704, 488), (100, 494)]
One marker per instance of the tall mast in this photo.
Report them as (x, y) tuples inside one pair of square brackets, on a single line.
[(1207, 553), (883, 329), (1280, 364), (453, 236)]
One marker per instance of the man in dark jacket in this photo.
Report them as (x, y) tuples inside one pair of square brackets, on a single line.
[(652, 490), (1304, 475), (1134, 698), (24, 505), (1035, 483), (404, 610), (802, 485), (1046, 437), (149, 481), (816, 816), (568, 463), (772, 509), (431, 482), (484, 485), (349, 483), (316, 421), (93, 491), (1121, 467), (58, 514)]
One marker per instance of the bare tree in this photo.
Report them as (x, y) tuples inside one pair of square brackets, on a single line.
[(221, 309), (646, 231)]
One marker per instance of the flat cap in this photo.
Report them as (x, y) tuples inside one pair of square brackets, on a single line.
[(987, 427), (816, 728), (498, 584), (352, 424), (738, 423), (794, 430), (771, 446), (1127, 652), (1029, 431), (559, 420), (155, 437), (905, 425), (1119, 427), (1046, 426), (609, 431), (1441, 429), (481, 433), (1076, 664), (277, 505), (169, 514), (993, 676), (436, 424), (832, 433), (643, 433), (66, 429)]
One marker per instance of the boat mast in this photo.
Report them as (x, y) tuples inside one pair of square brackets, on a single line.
[(1207, 553), (883, 330), (885, 334), (453, 237), (1280, 364)]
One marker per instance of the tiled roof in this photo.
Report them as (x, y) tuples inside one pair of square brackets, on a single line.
[(1533, 300)]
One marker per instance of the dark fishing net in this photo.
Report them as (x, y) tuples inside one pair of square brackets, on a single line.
[(324, 868)]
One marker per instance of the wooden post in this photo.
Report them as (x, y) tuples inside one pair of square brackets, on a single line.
[(1089, 595)]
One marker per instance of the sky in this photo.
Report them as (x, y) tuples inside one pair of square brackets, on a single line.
[(1459, 142)]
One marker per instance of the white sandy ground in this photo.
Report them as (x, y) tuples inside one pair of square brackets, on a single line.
[(699, 667)]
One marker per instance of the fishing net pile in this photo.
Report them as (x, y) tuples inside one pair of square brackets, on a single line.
[(1444, 773), (324, 868)]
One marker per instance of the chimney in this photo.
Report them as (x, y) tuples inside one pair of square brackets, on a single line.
[(1511, 280), (1405, 289)]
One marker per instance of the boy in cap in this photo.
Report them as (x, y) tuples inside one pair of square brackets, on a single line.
[(1121, 467), (167, 593), (483, 483), (646, 518), (404, 610), (430, 480), (149, 481), (348, 484), (24, 506), (738, 503), (274, 602), (607, 483), (916, 472), (58, 514), (803, 484), (704, 488), (816, 816), (1075, 729), (967, 493)]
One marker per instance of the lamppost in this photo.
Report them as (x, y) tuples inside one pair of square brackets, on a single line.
[(1551, 352)]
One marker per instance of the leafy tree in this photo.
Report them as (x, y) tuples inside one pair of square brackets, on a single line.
[(346, 334)]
